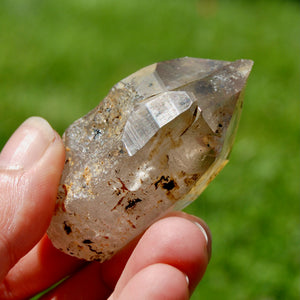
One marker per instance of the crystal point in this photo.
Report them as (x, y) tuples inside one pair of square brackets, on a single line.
[(152, 145)]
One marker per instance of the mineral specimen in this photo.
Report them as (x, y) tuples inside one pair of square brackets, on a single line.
[(152, 145)]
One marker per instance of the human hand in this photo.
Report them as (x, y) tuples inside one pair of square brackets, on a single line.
[(166, 262)]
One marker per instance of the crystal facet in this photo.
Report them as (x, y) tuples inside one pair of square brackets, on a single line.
[(152, 145)]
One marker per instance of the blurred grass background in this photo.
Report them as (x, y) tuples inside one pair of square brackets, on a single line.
[(58, 59)]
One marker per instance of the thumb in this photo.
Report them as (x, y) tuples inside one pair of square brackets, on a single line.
[(30, 168)]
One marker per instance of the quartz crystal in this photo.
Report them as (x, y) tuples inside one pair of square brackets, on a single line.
[(151, 146)]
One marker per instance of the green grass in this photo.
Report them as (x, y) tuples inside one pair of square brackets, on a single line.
[(58, 59)]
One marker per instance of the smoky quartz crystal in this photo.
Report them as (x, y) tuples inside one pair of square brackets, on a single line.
[(151, 146)]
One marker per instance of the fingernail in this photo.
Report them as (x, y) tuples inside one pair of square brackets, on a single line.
[(27, 145), (207, 239), (187, 280)]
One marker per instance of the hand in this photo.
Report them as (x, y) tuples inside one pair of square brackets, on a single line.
[(167, 262)]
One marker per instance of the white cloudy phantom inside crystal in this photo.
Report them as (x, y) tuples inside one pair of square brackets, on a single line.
[(152, 145)]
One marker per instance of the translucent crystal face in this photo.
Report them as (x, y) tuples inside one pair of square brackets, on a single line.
[(151, 115), (153, 144)]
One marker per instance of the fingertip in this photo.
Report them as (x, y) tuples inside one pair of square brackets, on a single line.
[(30, 168), (27, 144), (201, 224), (174, 240), (158, 281)]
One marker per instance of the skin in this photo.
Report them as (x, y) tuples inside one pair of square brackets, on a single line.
[(166, 262)]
